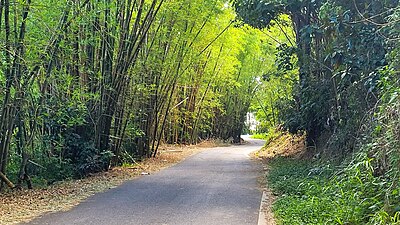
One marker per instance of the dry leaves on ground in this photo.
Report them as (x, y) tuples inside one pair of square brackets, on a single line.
[(24, 205), (285, 144)]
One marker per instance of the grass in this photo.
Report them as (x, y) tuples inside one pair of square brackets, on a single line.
[(262, 136), (268, 137), (282, 144), (314, 193), (319, 192), (299, 192)]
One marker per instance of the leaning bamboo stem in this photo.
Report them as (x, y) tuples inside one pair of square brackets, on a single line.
[(6, 180)]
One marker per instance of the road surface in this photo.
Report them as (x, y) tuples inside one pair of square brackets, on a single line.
[(217, 186)]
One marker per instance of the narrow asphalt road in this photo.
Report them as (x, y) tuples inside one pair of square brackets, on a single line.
[(217, 186)]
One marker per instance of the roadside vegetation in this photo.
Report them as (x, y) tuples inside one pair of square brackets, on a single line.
[(312, 190), (336, 81), (89, 85)]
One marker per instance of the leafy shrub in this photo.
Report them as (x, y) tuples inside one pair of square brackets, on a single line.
[(55, 169), (310, 194), (85, 157)]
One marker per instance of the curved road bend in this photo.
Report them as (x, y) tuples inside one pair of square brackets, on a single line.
[(217, 186)]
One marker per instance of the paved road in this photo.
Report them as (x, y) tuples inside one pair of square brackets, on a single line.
[(218, 187)]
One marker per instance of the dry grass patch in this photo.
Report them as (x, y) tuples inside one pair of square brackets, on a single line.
[(24, 205), (285, 144)]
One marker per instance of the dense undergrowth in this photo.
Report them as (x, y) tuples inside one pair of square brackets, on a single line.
[(330, 191), (316, 194), (314, 186), (344, 95)]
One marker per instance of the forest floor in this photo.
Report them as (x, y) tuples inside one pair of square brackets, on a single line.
[(23, 205)]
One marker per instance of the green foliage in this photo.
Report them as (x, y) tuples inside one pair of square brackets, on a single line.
[(346, 99), (262, 136), (55, 169), (363, 188), (85, 157), (340, 52), (86, 85), (268, 137), (321, 193), (257, 13), (274, 99), (284, 58)]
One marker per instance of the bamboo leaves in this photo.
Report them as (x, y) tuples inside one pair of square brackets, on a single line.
[(88, 84)]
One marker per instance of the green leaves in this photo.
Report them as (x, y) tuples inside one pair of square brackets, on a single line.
[(306, 197), (285, 58), (259, 14)]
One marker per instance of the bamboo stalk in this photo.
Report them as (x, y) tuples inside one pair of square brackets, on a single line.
[(6, 180)]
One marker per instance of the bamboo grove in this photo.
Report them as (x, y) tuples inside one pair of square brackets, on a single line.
[(89, 84)]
